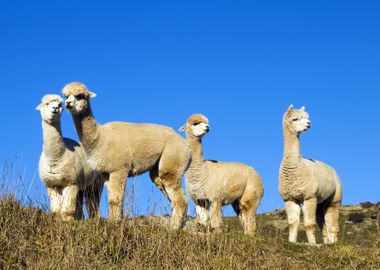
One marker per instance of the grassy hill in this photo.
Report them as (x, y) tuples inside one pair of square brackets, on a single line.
[(33, 239)]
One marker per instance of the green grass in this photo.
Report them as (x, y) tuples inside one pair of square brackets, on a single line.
[(33, 239)]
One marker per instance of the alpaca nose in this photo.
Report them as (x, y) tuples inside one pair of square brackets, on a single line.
[(207, 128), (308, 124), (69, 104)]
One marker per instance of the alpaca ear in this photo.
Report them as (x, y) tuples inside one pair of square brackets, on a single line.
[(92, 94), (291, 108), (38, 108), (183, 128), (302, 109)]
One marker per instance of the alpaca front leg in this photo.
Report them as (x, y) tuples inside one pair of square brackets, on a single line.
[(55, 196), (293, 212), (116, 191), (216, 216), (69, 202), (310, 211), (202, 216)]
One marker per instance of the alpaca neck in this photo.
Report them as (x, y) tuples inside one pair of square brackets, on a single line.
[(53, 145), (196, 175), (87, 129), (196, 148), (292, 147)]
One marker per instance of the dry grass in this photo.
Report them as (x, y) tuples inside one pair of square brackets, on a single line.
[(33, 239)]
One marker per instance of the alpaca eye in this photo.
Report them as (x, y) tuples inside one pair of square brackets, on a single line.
[(295, 119), (47, 103), (80, 96), (196, 124)]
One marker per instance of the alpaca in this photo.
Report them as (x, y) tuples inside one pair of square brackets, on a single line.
[(63, 167), (309, 183), (120, 149), (213, 184)]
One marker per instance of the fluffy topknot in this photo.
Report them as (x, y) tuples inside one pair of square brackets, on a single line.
[(197, 118), (51, 98), (75, 89)]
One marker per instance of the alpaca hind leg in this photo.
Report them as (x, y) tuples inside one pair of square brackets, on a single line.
[(116, 192), (293, 212), (248, 215), (170, 186), (171, 168), (178, 200), (310, 211), (79, 206), (332, 222), (55, 196), (216, 220), (69, 202), (153, 173), (321, 209), (93, 195), (249, 202)]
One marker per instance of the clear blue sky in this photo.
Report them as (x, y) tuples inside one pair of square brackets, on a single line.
[(241, 63)]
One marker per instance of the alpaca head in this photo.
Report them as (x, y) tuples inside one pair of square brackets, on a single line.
[(297, 121), (196, 126), (77, 97), (51, 108)]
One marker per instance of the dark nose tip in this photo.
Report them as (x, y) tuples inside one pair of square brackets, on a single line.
[(207, 129)]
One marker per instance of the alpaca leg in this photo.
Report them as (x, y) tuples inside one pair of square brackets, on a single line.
[(179, 203), (69, 202), (172, 165), (310, 211), (55, 196), (321, 221), (216, 220), (172, 189), (79, 206), (293, 211), (202, 216), (93, 195), (249, 202), (248, 215), (153, 173), (332, 222), (116, 192)]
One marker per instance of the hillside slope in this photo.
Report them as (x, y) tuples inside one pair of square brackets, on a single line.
[(33, 239)]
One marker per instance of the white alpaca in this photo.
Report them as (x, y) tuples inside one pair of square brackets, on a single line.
[(63, 167), (121, 149), (309, 183), (213, 184)]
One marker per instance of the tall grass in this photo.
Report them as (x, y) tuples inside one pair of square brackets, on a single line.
[(31, 238)]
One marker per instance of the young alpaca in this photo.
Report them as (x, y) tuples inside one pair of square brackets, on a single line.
[(307, 182), (121, 149), (213, 184), (63, 167)]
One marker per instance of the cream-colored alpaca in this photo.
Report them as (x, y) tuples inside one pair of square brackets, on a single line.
[(63, 167), (309, 183), (213, 184), (121, 149)]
